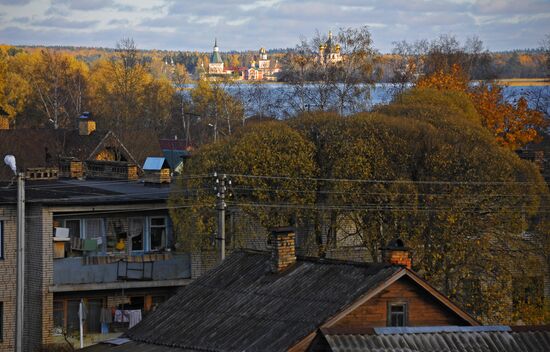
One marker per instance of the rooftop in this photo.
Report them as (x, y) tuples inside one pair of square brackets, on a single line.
[(242, 305), (84, 192), (441, 339)]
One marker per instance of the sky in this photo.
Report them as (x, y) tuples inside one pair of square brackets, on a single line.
[(245, 25)]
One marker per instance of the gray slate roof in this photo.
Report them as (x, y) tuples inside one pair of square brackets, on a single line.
[(86, 192), (241, 305), (463, 339)]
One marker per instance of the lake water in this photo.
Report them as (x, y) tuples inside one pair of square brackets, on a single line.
[(282, 100)]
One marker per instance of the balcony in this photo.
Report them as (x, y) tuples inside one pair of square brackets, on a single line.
[(78, 273)]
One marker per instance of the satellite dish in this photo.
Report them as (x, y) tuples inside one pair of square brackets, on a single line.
[(10, 161)]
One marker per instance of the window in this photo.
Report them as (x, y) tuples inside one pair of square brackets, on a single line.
[(397, 314), (59, 316), (135, 230), (93, 228), (1, 321), (158, 233), (1, 242), (74, 227)]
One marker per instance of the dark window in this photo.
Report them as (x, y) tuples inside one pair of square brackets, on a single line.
[(158, 233), (59, 315), (135, 232), (397, 314), (73, 325), (1, 321), (93, 319), (74, 227)]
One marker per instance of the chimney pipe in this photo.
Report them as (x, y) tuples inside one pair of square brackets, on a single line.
[(283, 253), (395, 253)]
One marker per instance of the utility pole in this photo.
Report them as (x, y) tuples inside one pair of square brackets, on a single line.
[(221, 190), (20, 261)]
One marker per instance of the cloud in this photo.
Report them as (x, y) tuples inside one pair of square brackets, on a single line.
[(84, 5), (239, 22), (250, 24), (60, 22), (14, 2), (259, 4)]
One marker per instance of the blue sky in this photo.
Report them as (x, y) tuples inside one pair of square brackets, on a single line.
[(241, 24)]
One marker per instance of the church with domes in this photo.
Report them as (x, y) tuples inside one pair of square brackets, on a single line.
[(329, 51), (215, 67)]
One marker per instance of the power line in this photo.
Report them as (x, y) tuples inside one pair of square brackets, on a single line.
[(385, 181)]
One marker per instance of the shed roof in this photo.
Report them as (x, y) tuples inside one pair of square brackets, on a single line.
[(241, 305), (154, 163)]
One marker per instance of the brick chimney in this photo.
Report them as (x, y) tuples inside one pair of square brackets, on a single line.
[(396, 253), (283, 252), (4, 123), (85, 124)]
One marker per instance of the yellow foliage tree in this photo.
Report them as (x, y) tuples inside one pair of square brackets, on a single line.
[(14, 88)]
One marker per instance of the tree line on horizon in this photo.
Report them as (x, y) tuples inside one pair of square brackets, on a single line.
[(129, 90)]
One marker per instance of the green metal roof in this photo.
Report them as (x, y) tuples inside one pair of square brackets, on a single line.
[(216, 58)]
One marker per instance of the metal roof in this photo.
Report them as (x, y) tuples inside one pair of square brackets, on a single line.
[(436, 329), (86, 192), (241, 305), (154, 163), (471, 339)]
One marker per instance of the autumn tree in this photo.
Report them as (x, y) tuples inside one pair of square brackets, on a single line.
[(513, 125), (422, 168), (126, 95), (342, 85), (256, 150), (14, 87), (220, 114), (425, 57)]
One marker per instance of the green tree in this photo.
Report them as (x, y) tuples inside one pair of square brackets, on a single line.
[(256, 150)]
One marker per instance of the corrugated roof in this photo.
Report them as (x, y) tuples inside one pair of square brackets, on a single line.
[(471, 340), (241, 305), (135, 347)]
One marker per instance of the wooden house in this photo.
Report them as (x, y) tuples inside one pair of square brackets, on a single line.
[(64, 153)]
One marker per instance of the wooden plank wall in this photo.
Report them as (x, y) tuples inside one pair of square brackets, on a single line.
[(424, 310)]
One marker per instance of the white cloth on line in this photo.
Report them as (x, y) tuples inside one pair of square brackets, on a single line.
[(135, 317)]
